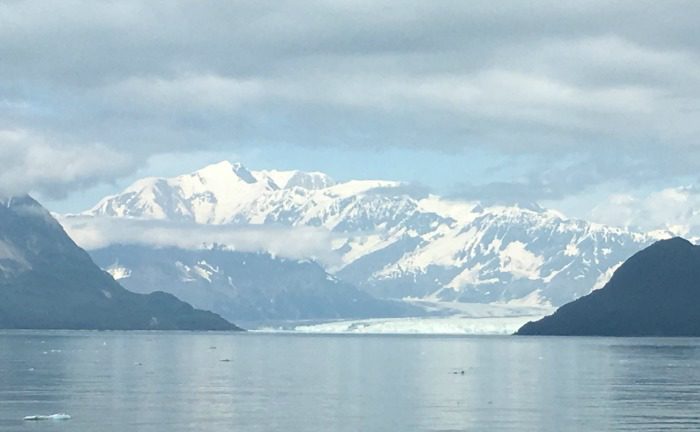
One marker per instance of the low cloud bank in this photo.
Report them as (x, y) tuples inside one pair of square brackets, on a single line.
[(294, 243)]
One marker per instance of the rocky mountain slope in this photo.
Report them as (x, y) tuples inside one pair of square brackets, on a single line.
[(247, 287), (47, 282), (654, 293)]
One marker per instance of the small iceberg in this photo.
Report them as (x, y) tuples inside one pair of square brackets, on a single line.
[(61, 416)]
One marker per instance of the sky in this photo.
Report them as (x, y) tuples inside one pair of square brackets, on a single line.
[(588, 107)]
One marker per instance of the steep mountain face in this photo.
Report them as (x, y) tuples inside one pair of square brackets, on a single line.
[(244, 286), (394, 244), (499, 254), (47, 282), (654, 293)]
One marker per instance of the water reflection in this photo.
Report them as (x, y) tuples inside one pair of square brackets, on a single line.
[(259, 382)]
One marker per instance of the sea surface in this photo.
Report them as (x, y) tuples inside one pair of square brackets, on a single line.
[(145, 381)]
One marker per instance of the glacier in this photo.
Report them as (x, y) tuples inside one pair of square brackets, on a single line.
[(449, 319), (394, 242), (451, 325)]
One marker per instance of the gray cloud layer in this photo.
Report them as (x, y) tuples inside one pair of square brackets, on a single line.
[(107, 84)]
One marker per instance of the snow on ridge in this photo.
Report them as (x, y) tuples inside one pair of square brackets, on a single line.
[(462, 211), (463, 251), (517, 260), (605, 277), (118, 272), (470, 276), (311, 180), (354, 187)]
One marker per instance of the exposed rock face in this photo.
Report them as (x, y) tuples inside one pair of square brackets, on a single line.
[(654, 293)]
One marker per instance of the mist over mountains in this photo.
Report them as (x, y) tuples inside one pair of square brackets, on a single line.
[(375, 235), (244, 286)]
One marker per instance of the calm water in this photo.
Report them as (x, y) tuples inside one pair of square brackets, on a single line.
[(178, 382)]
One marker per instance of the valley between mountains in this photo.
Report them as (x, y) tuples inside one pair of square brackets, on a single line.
[(274, 246)]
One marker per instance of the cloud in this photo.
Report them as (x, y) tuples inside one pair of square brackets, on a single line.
[(539, 81), (413, 190), (295, 243), (675, 209), (189, 92), (559, 179), (30, 161)]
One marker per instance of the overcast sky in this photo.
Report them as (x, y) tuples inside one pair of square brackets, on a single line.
[(591, 107)]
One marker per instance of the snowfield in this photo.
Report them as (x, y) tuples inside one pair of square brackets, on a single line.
[(394, 242)]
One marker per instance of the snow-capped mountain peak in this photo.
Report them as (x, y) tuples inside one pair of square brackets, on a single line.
[(226, 171), (305, 180), (207, 195), (392, 243)]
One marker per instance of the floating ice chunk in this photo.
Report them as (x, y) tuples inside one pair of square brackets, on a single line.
[(61, 416)]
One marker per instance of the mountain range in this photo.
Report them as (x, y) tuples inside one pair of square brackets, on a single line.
[(244, 287), (389, 240)]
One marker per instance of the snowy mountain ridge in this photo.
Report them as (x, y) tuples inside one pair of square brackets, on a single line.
[(395, 244)]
